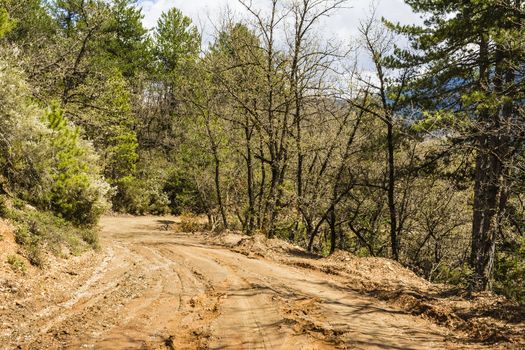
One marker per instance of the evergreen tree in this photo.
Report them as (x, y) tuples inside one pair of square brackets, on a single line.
[(33, 25), (470, 54), (128, 46), (74, 191), (176, 40)]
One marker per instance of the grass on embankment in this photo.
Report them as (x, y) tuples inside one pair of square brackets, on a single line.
[(40, 233)]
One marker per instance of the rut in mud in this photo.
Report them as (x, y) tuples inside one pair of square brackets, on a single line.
[(152, 288)]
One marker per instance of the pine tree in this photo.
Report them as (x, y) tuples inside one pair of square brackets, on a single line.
[(128, 44), (176, 39), (74, 191), (470, 55)]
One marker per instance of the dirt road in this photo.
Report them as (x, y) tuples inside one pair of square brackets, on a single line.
[(151, 288)]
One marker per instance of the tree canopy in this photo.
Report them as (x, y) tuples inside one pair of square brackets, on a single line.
[(274, 129)]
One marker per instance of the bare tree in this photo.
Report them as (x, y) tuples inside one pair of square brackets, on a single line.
[(388, 86)]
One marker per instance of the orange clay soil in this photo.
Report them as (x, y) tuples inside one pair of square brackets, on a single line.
[(151, 287)]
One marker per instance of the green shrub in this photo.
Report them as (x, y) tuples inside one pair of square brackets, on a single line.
[(17, 263), (3, 207), (144, 193), (43, 158), (20, 128), (183, 193), (39, 232), (6, 24), (29, 236), (191, 223), (458, 276), (143, 196), (509, 272)]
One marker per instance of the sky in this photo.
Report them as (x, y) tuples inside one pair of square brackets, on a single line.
[(342, 25)]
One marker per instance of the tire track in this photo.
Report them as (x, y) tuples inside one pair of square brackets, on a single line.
[(156, 289)]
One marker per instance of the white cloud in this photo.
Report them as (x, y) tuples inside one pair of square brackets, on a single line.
[(200, 11), (342, 25), (345, 23), (152, 9)]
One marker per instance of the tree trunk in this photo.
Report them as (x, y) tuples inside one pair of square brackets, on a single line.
[(333, 232), (487, 191), (217, 177), (391, 190), (310, 233), (272, 202), (261, 205), (249, 168), (219, 192), (490, 192)]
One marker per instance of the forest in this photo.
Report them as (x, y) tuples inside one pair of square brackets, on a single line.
[(273, 129)]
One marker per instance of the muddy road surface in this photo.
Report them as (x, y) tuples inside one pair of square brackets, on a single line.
[(152, 288)]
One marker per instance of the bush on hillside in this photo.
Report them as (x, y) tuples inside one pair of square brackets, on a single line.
[(44, 159), (39, 232)]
